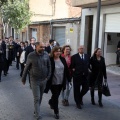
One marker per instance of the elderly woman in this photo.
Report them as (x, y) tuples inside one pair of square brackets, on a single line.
[(57, 81)]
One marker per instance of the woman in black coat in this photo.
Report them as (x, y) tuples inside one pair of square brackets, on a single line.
[(57, 81), (98, 71)]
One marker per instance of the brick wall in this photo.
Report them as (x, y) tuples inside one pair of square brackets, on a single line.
[(43, 32)]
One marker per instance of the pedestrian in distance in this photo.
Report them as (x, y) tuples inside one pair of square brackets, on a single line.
[(57, 81), (1, 59), (38, 63), (98, 71), (118, 54), (11, 50), (17, 55), (66, 49), (28, 49), (20, 50), (79, 66), (6, 64), (50, 47), (26, 44)]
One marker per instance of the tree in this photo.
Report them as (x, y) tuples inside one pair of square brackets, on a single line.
[(2, 2), (16, 13)]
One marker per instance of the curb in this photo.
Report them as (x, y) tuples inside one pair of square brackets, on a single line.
[(113, 72)]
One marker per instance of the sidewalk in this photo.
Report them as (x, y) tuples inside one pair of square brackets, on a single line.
[(114, 84), (114, 69)]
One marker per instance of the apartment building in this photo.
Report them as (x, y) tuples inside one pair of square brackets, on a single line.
[(109, 32)]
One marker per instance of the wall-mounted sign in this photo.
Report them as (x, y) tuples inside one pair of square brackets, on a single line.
[(71, 30)]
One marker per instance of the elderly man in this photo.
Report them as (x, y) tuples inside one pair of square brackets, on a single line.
[(38, 63), (79, 65)]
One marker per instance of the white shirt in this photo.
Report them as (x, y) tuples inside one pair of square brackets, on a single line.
[(81, 55), (51, 47), (33, 46)]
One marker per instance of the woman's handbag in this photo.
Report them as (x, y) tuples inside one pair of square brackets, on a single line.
[(105, 89)]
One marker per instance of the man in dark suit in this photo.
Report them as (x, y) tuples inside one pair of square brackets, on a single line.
[(79, 65), (30, 48), (49, 48)]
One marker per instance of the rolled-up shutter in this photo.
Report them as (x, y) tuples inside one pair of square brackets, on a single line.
[(59, 35), (112, 23)]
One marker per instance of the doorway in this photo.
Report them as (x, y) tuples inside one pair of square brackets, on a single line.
[(88, 33)]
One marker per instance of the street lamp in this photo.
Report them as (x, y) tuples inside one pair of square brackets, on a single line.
[(97, 24)]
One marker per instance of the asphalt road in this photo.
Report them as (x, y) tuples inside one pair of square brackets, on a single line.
[(16, 102)]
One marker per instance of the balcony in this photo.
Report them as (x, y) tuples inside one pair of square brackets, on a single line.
[(92, 3)]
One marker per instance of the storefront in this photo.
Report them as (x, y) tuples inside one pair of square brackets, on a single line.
[(109, 33)]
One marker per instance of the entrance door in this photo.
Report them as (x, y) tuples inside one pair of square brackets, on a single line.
[(88, 33)]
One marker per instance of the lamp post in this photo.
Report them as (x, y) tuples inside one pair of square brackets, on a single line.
[(97, 24)]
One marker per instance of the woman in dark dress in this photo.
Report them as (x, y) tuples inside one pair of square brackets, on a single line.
[(98, 71)]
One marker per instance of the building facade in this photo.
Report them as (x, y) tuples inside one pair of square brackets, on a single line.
[(52, 19), (55, 19), (109, 32)]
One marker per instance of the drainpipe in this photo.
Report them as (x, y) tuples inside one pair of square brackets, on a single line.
[(97, 24), (50, 29)]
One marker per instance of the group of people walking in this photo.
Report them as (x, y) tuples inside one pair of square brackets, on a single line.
[(10, 50), (54, 68)]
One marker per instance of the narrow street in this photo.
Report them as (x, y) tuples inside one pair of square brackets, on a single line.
[(16, 102)]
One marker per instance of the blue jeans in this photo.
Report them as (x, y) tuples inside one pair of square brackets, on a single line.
[(38, 90), (65, 94)]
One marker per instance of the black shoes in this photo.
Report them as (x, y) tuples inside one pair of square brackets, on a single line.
[(93, 102), (100, 104), (65, 102), (79, 107), (81, 103), (56, 116)]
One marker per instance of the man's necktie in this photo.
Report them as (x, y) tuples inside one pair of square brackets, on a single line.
[(82, 57)]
